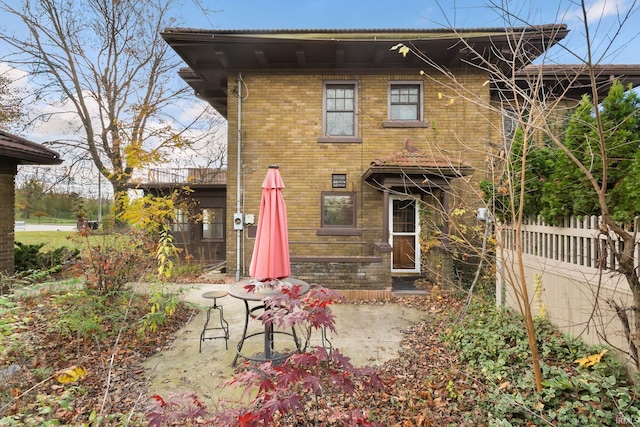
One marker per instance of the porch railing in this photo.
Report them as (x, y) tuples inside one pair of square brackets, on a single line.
[(186, 176)]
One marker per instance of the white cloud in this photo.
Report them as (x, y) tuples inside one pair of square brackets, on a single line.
[(601, 9), (18, 76)]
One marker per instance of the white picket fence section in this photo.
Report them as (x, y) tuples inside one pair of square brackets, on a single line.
[(575, 267), (578, 242)]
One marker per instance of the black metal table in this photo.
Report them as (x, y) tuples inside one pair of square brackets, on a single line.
[(239, 290)]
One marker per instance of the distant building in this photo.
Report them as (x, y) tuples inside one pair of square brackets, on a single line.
[(199, 230)]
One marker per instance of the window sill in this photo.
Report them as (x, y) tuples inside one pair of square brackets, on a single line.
[(339, 231), (341, 139), (405, 124)]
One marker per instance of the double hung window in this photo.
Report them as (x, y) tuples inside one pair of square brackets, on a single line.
[(405, 105), (212, 223), (340, 110), (404, 102)]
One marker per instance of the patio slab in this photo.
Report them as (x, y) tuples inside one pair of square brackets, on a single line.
[(368, 334)]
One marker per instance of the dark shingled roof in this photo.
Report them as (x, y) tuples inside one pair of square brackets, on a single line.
[(24, 152)]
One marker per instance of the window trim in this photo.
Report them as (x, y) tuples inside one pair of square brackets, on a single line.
[(398, 123), (222, 223), (340, 138), (354, 219)]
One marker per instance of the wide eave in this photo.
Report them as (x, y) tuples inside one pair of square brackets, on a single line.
[(15, 149), (215, 56)]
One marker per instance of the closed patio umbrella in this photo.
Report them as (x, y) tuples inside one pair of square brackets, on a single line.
[(270, 259)]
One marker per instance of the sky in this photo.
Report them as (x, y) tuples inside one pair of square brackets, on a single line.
[(421, 14)]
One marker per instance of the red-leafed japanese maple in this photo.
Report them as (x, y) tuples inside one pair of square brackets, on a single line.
[(309, 387)]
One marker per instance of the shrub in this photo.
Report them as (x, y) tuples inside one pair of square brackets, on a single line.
[(114, 261), (298, 391), (493, 344), (29, 257)]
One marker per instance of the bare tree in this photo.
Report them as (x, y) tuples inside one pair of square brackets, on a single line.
[(11, 107), (103, 63), (522, 93)]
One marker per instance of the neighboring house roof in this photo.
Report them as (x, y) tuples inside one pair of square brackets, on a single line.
[(416, 165), (23, 152), (573, 80), (214, 55)]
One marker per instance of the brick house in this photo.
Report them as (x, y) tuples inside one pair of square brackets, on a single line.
[(367, 146), (15, 151)]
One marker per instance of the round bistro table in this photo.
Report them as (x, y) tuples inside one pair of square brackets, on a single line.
[(239, 290)]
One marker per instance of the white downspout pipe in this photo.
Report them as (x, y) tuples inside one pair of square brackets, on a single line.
[(239, 177)]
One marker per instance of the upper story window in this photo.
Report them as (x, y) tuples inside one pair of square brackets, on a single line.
[(509, 126), (404, 102), (340, 107), (405, 105), (340, 110)]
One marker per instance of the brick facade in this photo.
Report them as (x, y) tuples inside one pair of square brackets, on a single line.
[(7, 217), (281, 122)]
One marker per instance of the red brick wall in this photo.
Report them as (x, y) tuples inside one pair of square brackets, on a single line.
[(7, 217)]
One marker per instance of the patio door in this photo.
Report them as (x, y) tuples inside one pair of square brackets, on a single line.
[(404, 231)]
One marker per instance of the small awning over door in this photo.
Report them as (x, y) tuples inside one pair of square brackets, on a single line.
[(411, 167)]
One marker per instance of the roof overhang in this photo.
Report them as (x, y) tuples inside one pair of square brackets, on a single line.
[(15, 149), (215, 56), (570, 81), (387, 177)]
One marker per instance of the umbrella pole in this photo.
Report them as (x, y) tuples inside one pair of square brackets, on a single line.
[(268, 342)]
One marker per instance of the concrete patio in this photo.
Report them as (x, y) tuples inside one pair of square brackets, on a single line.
[(367, 334)]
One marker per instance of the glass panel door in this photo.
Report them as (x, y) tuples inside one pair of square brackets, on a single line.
[(403, 235)]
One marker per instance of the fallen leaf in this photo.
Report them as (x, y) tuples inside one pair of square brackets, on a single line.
[(591, 360), (70, 375)]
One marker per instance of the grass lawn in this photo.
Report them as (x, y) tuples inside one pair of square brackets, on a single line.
[(53, 239), (56, 239)]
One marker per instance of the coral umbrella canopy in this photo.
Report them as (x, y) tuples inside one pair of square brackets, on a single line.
[(270, 260)]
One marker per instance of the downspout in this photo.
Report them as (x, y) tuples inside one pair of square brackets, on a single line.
[(239, 177)]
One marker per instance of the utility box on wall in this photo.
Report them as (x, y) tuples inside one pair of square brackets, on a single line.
[(238, 221)]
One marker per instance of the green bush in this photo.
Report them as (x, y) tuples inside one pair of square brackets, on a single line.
[(85, 315), (493, 344), (30, 257)]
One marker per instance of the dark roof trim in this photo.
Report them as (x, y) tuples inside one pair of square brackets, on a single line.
[(25, 152), (215, 56), (377, 33)]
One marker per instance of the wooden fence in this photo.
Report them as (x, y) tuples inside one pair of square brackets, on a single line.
[(578, 242), (575, 266)]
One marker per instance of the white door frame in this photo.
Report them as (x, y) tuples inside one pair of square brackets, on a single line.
[(415, 233)]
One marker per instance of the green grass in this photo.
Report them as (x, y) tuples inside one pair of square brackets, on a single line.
[(70, 239), (53, 239)]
